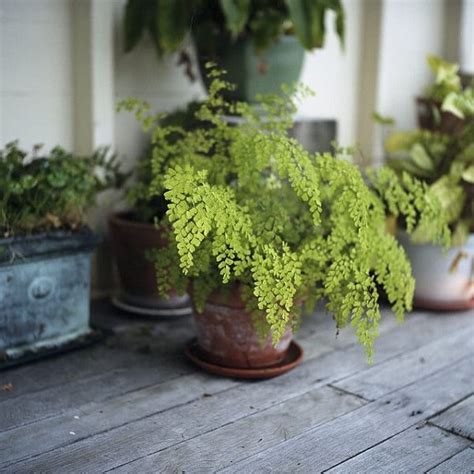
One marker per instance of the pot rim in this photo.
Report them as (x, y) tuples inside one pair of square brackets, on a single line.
[(119, 218)]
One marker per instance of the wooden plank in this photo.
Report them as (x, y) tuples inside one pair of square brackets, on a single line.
[(409, 367), (460, 463), (137, 439), (74, 425), (347, 436), (458, 419), (132, 370), (69, 380), (97, 416), (414, 450), (123, 350), (247, 436)]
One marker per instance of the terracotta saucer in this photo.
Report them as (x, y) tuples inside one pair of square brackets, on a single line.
[(444, 305), (151, 312), (292, 359)]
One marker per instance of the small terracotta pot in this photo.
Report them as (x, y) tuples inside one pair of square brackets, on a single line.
[(449, 124), (131, 239), (226, 335)]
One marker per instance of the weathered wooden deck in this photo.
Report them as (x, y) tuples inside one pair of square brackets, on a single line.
[(134, 404)]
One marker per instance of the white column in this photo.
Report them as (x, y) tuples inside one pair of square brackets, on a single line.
[(466, 37)]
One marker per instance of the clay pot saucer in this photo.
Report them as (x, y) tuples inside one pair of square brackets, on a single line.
[(151, 312), (433, 305), (291, 360)]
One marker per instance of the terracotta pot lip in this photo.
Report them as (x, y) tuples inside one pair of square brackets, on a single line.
[(120, 218)]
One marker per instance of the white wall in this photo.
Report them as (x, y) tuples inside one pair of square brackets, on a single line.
[(36, 78), (333, 74), (411, 29), (141, 74)]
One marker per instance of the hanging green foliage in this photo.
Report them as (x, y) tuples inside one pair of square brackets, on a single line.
[(248, 205), (169, 21)]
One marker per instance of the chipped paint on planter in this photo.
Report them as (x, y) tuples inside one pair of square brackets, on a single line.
[(44, 291)]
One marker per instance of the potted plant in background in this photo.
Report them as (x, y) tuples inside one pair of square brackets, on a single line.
[(429, 168), (45, 247), (260, 43), (444, 106), (137, 232), (260, 226)]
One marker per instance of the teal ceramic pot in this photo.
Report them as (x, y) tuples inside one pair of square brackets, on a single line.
[(444, 279), (252, 73), (44, 291)]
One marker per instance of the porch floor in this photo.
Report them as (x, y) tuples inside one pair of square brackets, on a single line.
[(133, 403)]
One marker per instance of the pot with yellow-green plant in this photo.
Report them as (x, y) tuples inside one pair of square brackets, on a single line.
[(437, 169), (140, 229), (261, 227)]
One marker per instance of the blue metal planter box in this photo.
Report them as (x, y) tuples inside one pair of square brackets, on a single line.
[(44, 292)]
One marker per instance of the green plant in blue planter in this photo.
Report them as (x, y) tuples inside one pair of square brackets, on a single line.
[(45, 247)]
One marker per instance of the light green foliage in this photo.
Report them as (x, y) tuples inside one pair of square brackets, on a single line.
[(446, 78), (447, 88), (249, 205), (429, 185), (147, 206), (39, 193), (435, 170), (168, 22)]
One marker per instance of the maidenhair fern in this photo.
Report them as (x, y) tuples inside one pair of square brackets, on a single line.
[(249, 206)]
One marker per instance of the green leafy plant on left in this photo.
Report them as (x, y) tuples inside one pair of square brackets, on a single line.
[(53, 191)]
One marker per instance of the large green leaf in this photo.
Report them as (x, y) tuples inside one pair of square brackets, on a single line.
[(308, 20), (468, 174), (421, 158), (171, 23), (450, 195), (236, 13), (134, 23)]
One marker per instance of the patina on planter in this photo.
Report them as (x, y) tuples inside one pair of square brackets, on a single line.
[(226, 336), (44, 291), (444, 279), (132, 240), (252, 73)]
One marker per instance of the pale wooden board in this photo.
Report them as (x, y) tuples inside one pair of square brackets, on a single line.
[(347, 436), (165, 362), (414, 450), (250, 435), (460, 463), (315, 331), (411, 366), (163, 430), (458, 419), (52, 432), (121, 351)]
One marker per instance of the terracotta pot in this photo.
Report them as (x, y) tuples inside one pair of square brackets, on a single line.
[(131, 240), (449, 123), (444, 280), (226, 335)]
